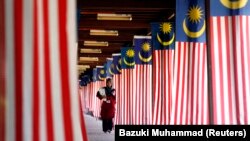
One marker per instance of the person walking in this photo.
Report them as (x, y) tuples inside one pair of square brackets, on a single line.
[(108, 97)]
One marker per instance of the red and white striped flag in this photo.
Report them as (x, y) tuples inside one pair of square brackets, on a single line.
[(163, 37), (95, 106), (115, 69), (142, 95), (127, 65), (40, 97), (190, 92), (230, 61)]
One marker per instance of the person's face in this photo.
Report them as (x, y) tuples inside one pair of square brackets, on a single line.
[(109, 84)]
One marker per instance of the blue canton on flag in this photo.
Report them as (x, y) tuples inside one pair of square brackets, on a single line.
[(128, 57), (117, 63), (101, 73), (109, 67), (229, 7), (190, 21), (163, 35), (143, 49)]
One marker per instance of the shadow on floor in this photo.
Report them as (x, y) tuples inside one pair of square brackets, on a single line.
[(94, 129)]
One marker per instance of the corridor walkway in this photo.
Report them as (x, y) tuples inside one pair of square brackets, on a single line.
[(94, 130)]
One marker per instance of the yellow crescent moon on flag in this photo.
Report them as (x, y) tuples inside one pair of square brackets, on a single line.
[(166, 43), (101, 78), (110, 71), (193, 34), (234, 4), (127, 63), (118, 69), (145, 59)]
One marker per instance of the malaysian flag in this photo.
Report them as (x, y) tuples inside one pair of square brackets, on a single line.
[(40, 98), (230, 61), (88, 90), (190, 99), (163, 39), (142, 98), (85, 78), (116, 69), (127, 65), (93, 91), (100, 82)]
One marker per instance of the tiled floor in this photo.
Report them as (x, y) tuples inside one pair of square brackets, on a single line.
[(94, 130)]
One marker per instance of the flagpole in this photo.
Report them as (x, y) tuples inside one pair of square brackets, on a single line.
[(209, 69)]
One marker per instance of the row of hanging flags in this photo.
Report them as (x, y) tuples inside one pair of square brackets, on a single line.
[(166, 78), (185, 73)]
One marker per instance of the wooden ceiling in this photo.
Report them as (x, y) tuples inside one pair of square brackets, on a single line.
[(143, 13)]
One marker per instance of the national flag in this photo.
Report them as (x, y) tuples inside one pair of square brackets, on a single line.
[(86, 92), (40, 99), (230, 61), (116, 69), (84, 97), (127, 65), (190, 99), (142, 97), (84, 89), (100, 82), (93, 90), (163, 39)]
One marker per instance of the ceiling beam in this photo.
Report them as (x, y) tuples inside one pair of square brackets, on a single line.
[(144, 12), (84, 37), (99, 55), (87, 25), (100, 58), (112, 45), (107, 51), (93, 65)]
